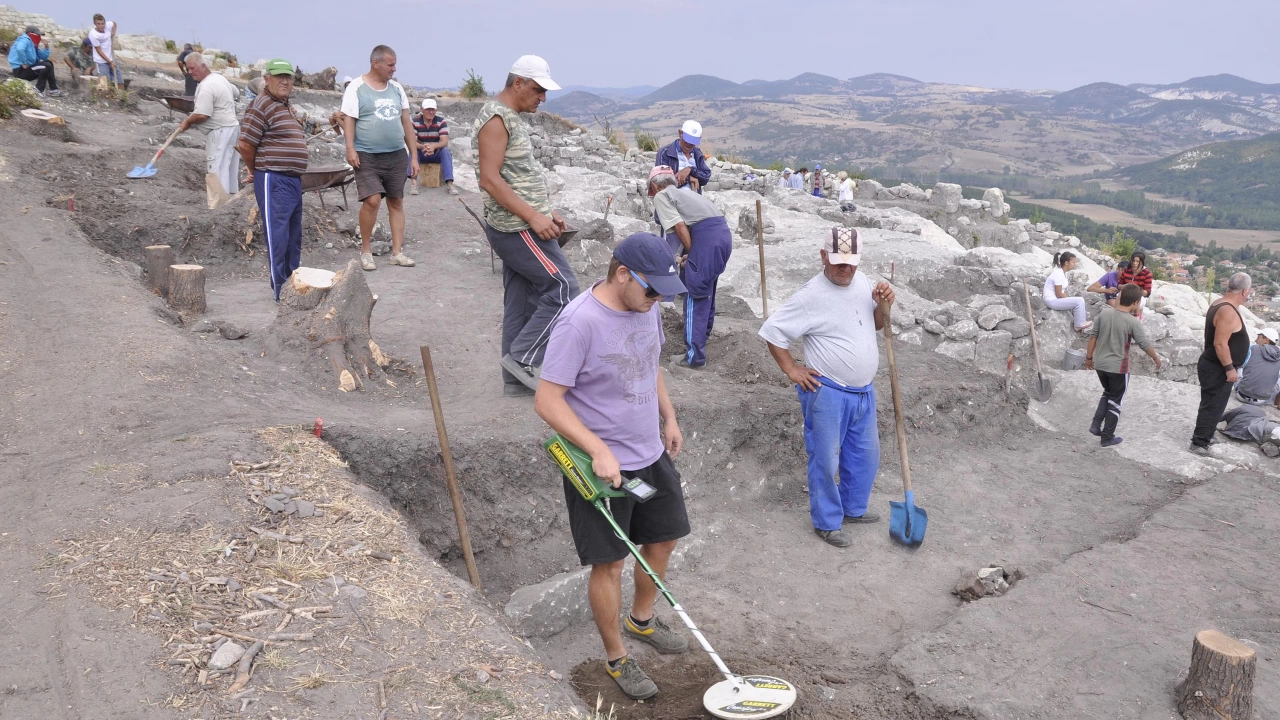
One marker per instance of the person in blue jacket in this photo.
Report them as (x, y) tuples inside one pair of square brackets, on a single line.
[(685, 159), (29, 61)]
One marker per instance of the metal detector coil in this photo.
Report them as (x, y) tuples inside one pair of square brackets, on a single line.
[(735, 697)]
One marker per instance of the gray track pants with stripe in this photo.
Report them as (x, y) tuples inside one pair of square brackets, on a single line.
[(537, 283)]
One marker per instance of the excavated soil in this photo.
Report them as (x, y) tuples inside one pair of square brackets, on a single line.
[(769, 595)]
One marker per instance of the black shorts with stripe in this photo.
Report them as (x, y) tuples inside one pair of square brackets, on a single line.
[(661, 519)]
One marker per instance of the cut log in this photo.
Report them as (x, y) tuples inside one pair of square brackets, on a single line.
[(324, 317), (186, 288), (429, 175), (159, 258), (1219, 685)]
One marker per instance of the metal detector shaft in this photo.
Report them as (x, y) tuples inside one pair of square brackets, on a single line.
[(657, 581)]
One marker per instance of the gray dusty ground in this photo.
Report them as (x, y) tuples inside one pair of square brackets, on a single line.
[(1125, 561)]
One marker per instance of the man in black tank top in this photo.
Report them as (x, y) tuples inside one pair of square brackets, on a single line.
[(1226, 344)]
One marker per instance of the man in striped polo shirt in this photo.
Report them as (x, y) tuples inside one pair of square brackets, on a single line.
[(274, 145), (433, 143)]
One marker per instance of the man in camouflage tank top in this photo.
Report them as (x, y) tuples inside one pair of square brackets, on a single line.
[(522, 228)]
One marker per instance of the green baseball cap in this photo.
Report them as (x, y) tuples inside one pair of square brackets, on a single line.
[(279, 67)]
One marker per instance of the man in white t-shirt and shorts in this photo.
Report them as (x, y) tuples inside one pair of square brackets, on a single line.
[(102, 37), (379, 134), (837, 314), (215, 116)]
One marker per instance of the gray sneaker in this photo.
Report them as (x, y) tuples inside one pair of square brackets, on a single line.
[(633, 681), (527, 374), (658, 634), (1201, 451)]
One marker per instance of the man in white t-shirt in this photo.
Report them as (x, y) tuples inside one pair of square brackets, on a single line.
[(836, 314), (845, 187), (379, 133), (215, 116), (102, 37)]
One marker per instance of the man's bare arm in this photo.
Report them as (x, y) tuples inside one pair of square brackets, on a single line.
[(492, 141), (550, 405), (805, 377)]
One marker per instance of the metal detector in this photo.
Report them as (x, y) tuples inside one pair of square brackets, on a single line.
[(737, 696)]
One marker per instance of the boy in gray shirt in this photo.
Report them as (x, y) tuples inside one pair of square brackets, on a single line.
[(1108, 353)]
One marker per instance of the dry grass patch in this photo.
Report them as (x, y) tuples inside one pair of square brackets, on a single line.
[(342, 592)]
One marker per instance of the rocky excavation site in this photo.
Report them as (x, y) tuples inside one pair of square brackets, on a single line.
[(203, 521)]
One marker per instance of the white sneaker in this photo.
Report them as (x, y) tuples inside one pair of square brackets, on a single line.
[(452, 189), (402, 260), (55, 93), (366, 261), (413, 186)]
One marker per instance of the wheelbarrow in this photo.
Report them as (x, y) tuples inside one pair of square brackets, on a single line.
[(185, 105), (318, 180)]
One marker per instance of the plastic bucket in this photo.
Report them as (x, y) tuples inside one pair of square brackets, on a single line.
[(1073, 359)]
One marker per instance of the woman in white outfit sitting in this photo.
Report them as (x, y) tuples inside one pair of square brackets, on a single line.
[(1055, 290)]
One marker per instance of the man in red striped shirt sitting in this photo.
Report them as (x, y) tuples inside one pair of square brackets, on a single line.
[(433, 143)]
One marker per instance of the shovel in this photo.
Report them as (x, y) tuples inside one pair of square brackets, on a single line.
[(145, 172), (907, 522), (1044, 388)]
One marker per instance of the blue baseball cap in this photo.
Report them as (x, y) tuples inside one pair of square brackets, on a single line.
[(650, 255)]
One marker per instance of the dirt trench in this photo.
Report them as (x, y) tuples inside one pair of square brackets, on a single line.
[(744, 454)]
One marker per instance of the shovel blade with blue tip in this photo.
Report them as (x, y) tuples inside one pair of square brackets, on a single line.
[(907, 522), (139, 171)]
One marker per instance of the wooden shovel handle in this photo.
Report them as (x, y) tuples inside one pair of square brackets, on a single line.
[(897, 399), (165, 145), (1031, 318)]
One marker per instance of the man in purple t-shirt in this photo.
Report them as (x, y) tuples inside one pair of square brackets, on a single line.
[(601, 388)]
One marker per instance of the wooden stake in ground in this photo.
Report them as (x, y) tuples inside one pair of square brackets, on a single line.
[(159, 258), (455, 493), (764, 290), (186, 288), (1219, 685)]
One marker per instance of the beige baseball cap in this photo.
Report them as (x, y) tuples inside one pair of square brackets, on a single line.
[(843, 246), (535, 69)]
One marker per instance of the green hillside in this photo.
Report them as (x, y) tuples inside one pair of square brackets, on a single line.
[(1239, 181)]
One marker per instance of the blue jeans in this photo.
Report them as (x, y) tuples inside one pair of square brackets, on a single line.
[(843, 443), (444, 158), (104, 70)]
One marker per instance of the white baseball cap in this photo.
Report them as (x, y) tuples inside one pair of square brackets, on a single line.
[(843, 246), (428, 104), (691, 132), (536, 69), (1271, 335)]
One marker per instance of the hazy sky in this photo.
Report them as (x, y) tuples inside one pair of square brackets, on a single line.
[(1029, 44)]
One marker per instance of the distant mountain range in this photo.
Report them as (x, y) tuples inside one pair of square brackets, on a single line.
[(896, 121)]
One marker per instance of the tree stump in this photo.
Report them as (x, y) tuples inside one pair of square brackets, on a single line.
[(159, 258), (186, 288), (1219, 685), (324, 316)]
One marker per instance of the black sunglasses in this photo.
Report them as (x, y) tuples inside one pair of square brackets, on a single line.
[(649, 292)]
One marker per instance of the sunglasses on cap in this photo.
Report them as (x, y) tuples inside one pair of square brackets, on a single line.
[(648, 291)]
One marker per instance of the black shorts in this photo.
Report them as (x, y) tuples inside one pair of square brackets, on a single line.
[(382, 174), (661, 519)]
